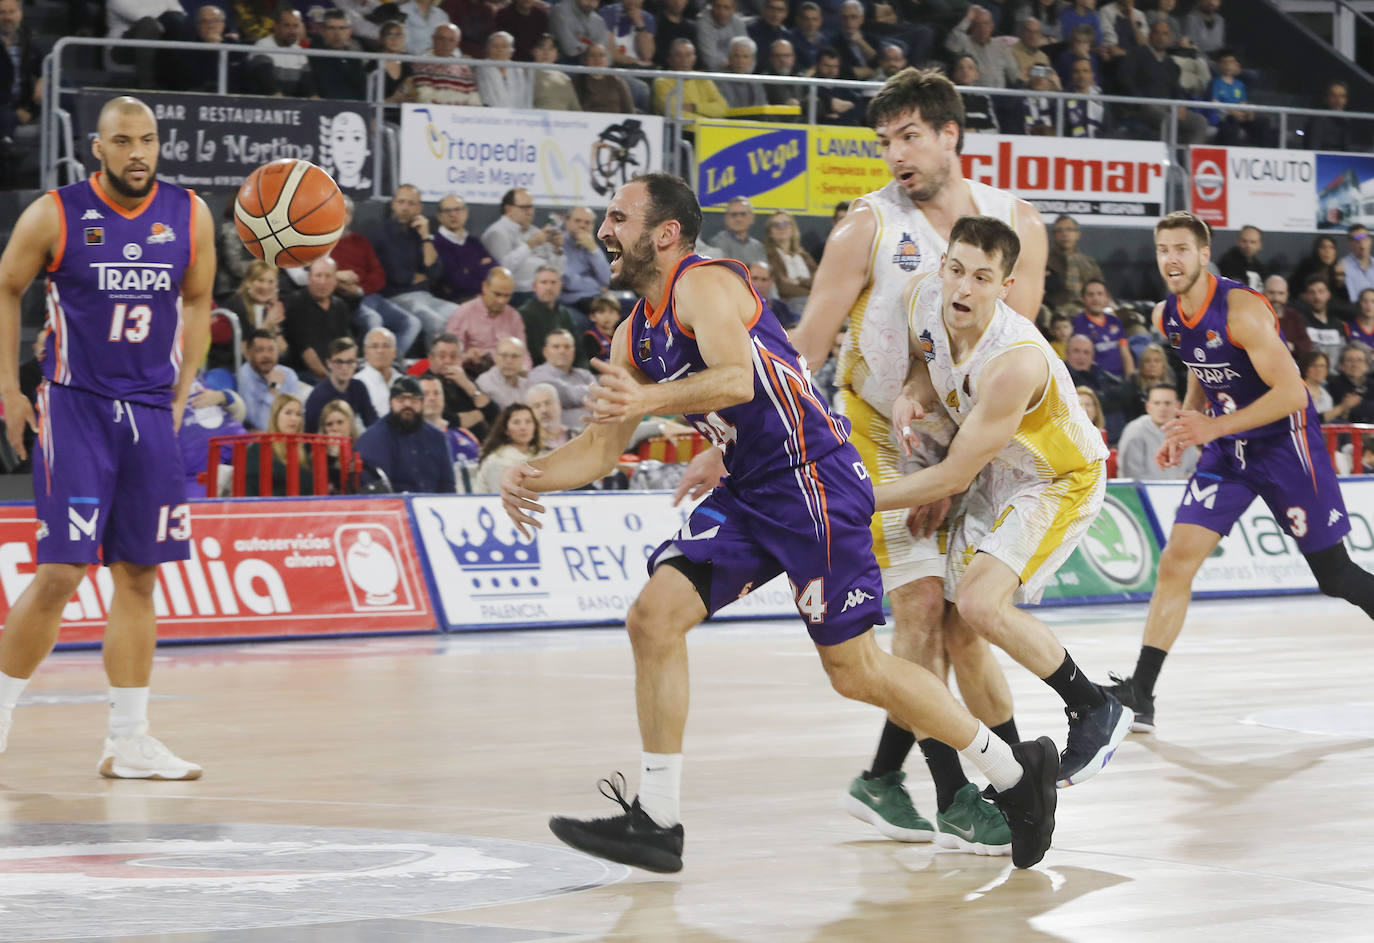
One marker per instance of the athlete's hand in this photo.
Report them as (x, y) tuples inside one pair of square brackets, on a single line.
[(906, 409), (925, 520), (703, 473), (18, 414), (1168, 456), (615, 396), (1189, 428), (518, 500)]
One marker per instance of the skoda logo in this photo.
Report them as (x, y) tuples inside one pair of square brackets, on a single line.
[(1116, 546), (1209, 180), (133, 251)]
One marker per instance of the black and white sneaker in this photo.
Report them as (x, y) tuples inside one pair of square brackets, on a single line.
[(1094, 735), (1029, 805), (632, 838), (1124, 690)]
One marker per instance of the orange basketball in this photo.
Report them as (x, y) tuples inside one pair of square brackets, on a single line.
[(289, 212)]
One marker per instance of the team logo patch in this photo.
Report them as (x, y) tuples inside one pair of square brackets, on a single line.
[(908, 254), (645, 348), (1175, 339), (927, 346), (161, 233), (133, 251), (1200, 354), (1213, 340), (95, 235)]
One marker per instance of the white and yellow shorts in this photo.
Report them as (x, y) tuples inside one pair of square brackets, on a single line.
[(902, 557), (1030, 525)]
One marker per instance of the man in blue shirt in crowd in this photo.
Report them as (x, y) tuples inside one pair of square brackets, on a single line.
[(409, 452), (340, 383)]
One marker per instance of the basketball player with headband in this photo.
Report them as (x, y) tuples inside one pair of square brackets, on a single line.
[(130, 261)]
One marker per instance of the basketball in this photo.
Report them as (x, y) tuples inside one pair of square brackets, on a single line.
[(289, 212)]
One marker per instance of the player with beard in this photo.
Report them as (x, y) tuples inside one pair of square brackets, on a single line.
[(887, 237), (702, 343), (130, 261), (1249, 411), (402, 449)]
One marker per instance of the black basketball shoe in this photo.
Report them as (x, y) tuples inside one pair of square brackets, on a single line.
[(632, 838), (1124, 690), (1094, 735), (1029, 805)]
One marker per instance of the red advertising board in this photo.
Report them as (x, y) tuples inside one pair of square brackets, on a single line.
[(1208, 185), (258, 569)]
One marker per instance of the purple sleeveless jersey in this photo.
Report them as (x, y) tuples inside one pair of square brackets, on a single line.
[(1353, 332), (1223, 369), (1106, 337), (786, 425), (114, 293)]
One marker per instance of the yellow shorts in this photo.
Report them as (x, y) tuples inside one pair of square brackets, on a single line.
[(1032, 527), (902, 557)]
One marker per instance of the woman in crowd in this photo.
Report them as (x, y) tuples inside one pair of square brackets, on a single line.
[(337, 418), (1087, 398), (256, 302), (396, 84), (287, 416), (1152, 369), (1315, 368), (793, 267), (514, 438), (1322, 259)]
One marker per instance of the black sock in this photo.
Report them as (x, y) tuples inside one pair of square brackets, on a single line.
[(1147, 669), (949, 777), (1007, 731), (893, 747), (1073, 685)]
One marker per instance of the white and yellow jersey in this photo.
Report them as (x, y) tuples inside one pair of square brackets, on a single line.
[(873, 361), (1055, 437)]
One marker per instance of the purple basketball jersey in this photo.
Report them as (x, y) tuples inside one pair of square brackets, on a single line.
[(114, 293), (1222, 368), (786, 425), (1106, 336), (1353, 332)]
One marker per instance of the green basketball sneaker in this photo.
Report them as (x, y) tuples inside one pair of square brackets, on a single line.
[(974, 825), (883, 802)]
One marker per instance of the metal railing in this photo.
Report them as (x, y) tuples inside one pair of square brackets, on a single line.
[(57, 144), (1344, 15)]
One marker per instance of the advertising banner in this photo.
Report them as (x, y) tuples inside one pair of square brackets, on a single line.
[(257, 569), (214, 141), (1257, 557), (808, 169), (1118, 557), (563, 158), (1281, 191), (583, 567)]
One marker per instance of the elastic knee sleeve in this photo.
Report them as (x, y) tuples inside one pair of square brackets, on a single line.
[(1339, 576)]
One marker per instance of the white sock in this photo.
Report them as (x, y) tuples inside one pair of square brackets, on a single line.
[(660, 778), (128, 711), (993, 758), (10, 690)]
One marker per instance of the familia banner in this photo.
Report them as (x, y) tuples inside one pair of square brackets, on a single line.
[(215, 141), (808, 169), (563, 158), (257, 569), (1280, 190)]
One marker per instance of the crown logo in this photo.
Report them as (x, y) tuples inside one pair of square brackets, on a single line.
[(495, 565)]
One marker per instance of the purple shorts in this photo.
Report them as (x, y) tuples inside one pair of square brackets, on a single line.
[(107, 481), (812, 523), (1291, 473)]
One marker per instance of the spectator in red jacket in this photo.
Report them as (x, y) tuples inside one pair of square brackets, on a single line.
[(361, 277)]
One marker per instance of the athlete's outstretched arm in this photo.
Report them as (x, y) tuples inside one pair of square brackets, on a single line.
[(1004, 391), (196, 285), (837, 284), (591, 454), (1251, 324), (1029, 288), (32, 244)]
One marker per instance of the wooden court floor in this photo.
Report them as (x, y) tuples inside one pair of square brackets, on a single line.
[(398, 789)]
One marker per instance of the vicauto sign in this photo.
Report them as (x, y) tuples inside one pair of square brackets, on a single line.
[(258, 568)]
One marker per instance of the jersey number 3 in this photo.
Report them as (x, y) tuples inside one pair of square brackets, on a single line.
[(130, 324)]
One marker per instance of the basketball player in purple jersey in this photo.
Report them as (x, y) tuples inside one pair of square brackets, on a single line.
[(797, 499), (1249, 411), (129, 261)]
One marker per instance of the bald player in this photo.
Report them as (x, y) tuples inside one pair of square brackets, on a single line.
[(129, 261)]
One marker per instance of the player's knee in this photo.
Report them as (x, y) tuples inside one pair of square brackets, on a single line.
[(980, 610), (961, 641), (138, 580), (856, 680), (919, 605), (650, 624), (1176, 565), (55, 583)]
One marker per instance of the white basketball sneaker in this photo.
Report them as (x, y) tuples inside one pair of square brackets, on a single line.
[(142, 756), (6, 720)]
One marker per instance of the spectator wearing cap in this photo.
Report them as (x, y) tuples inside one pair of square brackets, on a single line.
[(411, 454)]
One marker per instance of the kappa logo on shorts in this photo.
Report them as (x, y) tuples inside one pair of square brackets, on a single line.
[(856, 597), (1335, 516)]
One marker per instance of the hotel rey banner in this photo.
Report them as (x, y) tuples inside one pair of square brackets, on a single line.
[(807, 169), (211, 142), (563, 158)]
